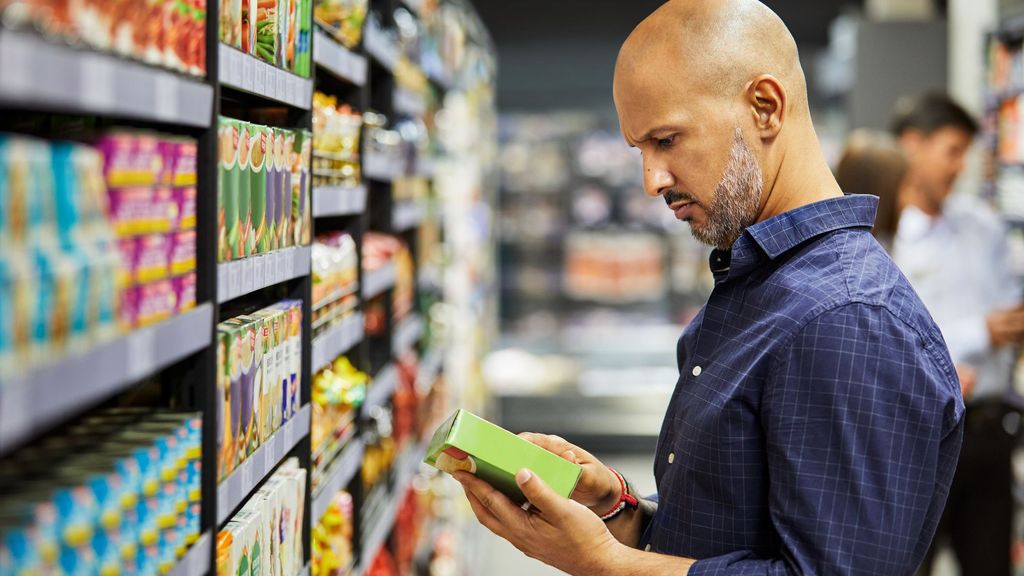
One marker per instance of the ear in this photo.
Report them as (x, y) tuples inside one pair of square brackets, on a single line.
[(767, 98)]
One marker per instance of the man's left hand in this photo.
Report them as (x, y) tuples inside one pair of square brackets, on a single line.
[(555, 530)]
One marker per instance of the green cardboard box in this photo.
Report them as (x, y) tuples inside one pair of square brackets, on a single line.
[(467, 442)]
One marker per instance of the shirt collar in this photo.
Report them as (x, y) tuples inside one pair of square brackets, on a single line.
[(775, 236)]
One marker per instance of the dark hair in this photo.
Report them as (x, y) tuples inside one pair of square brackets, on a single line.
[(873, 164), (930, 112)]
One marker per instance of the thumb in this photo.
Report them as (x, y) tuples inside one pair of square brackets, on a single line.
[(539, 493)]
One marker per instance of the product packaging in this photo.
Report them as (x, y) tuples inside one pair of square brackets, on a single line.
[(184, 290), (183, 208), (267, 38), (231, 23), (258, 187), (301, 214), (227, 189), (247, 138), (470, 443)]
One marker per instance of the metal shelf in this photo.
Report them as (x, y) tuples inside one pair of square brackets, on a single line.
[(381, 168), (407, 215), (341, 472), (341, 62), (196, 561), (376, 282), (250, 74), (329, 201), (406, 334), (40, 74), (408, 102), (380, 391), (236, 488), (240, 277), (337, 340), (430, 367), (83, 378)]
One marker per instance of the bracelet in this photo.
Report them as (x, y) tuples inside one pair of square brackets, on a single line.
[(626, 500)]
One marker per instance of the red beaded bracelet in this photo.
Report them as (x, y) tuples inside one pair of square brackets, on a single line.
[(626, 500)]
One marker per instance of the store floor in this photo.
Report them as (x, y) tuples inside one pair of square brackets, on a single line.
[(502, 559)]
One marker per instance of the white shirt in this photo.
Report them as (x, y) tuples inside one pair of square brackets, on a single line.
[(957, 263)]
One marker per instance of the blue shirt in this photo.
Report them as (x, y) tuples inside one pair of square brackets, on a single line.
[(817, 418)]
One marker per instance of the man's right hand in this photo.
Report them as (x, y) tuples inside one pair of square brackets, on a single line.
[(1005, 326), (598, 488)]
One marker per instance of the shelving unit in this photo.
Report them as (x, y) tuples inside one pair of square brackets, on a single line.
[(179, 355)]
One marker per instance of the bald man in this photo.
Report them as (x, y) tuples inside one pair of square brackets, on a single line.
[(817, 418)]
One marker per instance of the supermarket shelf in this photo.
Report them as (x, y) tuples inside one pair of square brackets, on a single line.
[(382, 168), (241, 277), (430, 367), (329, 201), (196, 561), (382, 388), (337, 340), (406, 334), (407, 215), (341, 62), (408, 465), (408, 102), (342, 471), (237, 487), (46, 75), (380, 46), (376, 282), (250, 74), (89, 376)]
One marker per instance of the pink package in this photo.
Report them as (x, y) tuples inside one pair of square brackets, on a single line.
[(129, 159), (128, 308), (156, 302), (183, 203), (135, 211), (152, 261), (129, 249), (178, 162), (184, 288), (182, 252)]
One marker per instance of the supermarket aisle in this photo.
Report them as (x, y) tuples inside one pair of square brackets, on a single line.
[(502, 559)]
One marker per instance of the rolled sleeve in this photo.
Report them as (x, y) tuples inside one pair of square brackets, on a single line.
[(863, 424)]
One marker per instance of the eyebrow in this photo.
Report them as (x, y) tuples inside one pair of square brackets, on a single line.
[(650, 133)]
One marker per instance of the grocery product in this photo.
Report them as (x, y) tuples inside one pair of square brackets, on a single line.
[(338, 391), (302, 216), (343, 19), (470, 443), (335, 142), (332, 550)]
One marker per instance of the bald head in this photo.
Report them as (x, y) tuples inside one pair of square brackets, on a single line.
[(714, 45)]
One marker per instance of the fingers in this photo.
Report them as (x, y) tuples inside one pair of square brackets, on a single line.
[(541, 495), (483, 515), (503, 510)]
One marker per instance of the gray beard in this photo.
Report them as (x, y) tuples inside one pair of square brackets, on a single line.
[(737, 199)]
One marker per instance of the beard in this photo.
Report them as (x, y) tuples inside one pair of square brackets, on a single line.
[(736, 202)]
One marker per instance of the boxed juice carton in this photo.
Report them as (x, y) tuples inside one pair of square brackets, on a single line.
[(247, 153), (470, 443), (267, 39), (182, 251), (244, 357), (183, 289), (274, 365), (229, 397), (301, 215), (183, 208), (258, 153), (227, 186), (284, 218), (269, 237), (231, 23)]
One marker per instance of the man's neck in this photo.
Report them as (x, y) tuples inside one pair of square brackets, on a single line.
[(803, 178), (911, 195)]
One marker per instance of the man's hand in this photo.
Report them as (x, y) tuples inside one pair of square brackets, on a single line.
[(598, 488), (1005, 326), (557, 531)]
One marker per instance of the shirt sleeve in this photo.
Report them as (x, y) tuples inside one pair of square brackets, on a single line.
[(862, 419)]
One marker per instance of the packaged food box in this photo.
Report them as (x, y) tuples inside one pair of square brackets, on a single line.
[(287, 158), (293, 354), (273, 366), (227, 189), (258, 165), (249, 358), (470, 443), (141, 210), (231, 22), (229, 398), (288, 32), (155, 302), (269, 236), (184, 290), (267, 39), (304, 44), (301, 215), (182, 250), (183, 208), (152, 258)]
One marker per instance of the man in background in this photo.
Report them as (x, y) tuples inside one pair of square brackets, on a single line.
[(953, 250)]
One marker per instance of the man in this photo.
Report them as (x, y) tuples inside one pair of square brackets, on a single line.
[(817, 418), (953, 251)]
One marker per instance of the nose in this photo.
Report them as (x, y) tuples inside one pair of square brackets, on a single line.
[(657, 177)]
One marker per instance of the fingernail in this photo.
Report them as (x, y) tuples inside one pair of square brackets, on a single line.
[(523, 476)]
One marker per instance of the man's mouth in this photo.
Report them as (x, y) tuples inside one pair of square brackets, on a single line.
[(683, 209)]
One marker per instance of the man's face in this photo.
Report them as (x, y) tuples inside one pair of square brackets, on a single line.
[(935, 161), (694, 155)]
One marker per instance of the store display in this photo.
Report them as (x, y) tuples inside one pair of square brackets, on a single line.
[(343, 19), (263, 189), (259, 366), (470, 443), (118, 492), (169, 33), (265, 536), (338, 392), (335, 143), (615, 267), (275, 31), (333, 539)]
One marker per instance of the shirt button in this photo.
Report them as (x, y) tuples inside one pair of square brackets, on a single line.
[(647, 548), (697, 370), (671, 457)]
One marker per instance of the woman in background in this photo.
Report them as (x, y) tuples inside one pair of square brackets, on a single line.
[(873, 163)]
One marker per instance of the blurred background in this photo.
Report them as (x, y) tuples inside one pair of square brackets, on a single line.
[(394, 208)]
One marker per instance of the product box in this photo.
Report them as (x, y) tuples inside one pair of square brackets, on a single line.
[(275, 370), (183, 208), (182, 250), (152, 258), (227, 189), (269, 237), (229, 398), (231, 23), (287, 158), (184, 290), (267, 39), (293, 354), (304, 44), (467, 442), (248, 356), (287, 28), (258, 188), (301, 215)]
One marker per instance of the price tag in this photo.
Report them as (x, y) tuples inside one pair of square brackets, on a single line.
[(234, 282), (223, 61), (248, 71), (16, 63), (260, 86), (288, 260), (235, 66), (15, 411), (141, 353), (282, 84), (97, 82), (289, 436), (223, 494), (270, 455), (258, 272), (245, 470), (166, 91), (222, 283), (247, 285)]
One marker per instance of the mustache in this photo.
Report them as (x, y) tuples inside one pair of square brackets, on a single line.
[(673, 196)]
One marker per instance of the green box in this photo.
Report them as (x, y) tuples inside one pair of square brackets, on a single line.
[(466, 441)]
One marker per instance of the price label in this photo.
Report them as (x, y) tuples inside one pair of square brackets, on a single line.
[(289, 436), (166, 96), (248, 71), (223, 61), (282, 84), (260, 86), (245, 470), (270, 455), (141, 353), (234, 280), (289, 264), (235, 66), (16, 63), (259, 272), (222, 283), (222, 501), (15, 411), (247, 276), (97, 82)]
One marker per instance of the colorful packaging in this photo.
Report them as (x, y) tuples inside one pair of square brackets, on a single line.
[(184, 290), (152, 258), (249, 374), (258, 165), (270, 240), (304, 45), (183, 208), (267, 39), (284, 226), (287, 29), (156, 302), (182, 250), (227, 412), (470, 443), (301, 214), (231, 22), (228, 231)]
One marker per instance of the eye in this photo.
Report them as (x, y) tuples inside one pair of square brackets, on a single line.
[(666, 142)]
